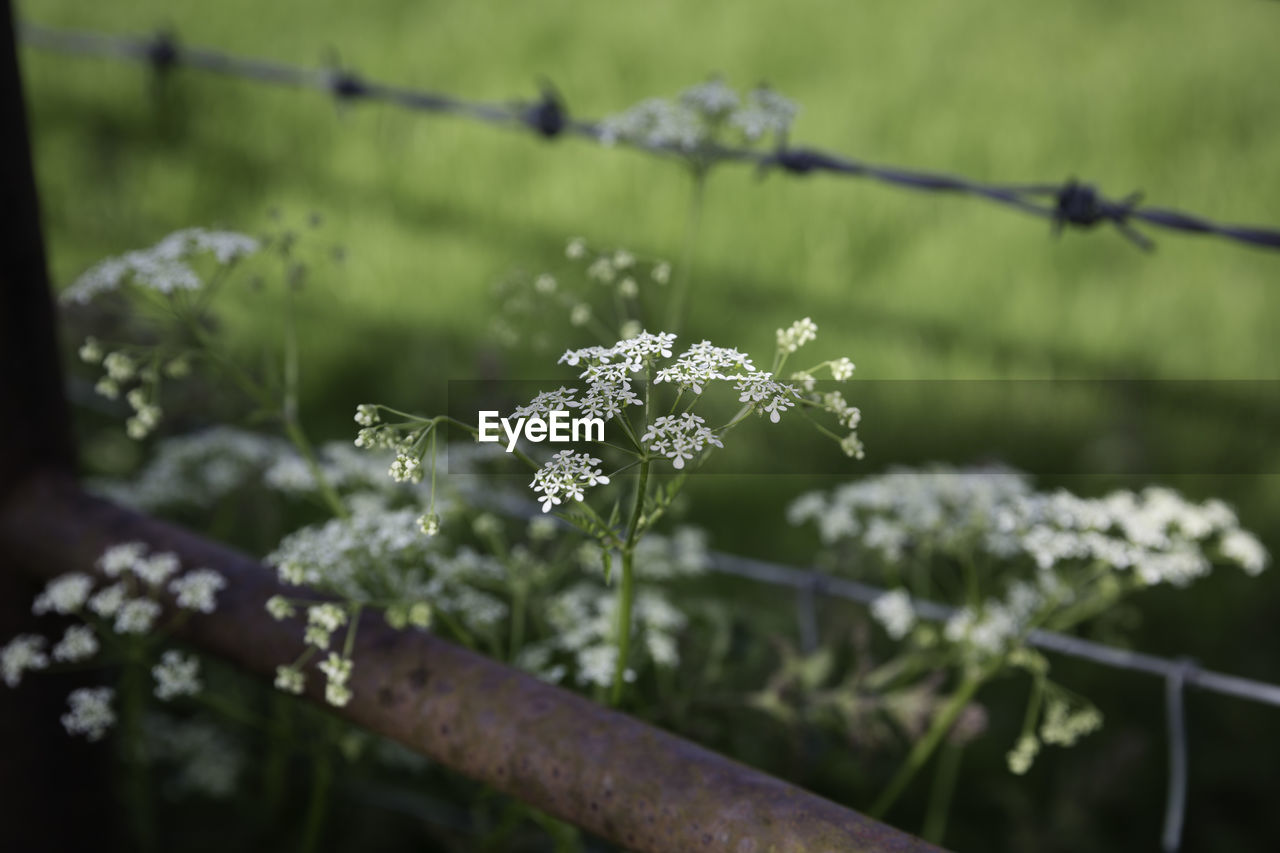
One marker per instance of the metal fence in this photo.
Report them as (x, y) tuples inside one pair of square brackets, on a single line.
[(601, 770)]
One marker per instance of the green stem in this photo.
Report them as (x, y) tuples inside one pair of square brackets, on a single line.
[(944, 786), (134, 684), (318, 801), (693, 223), (626, 589), (300, 441), (924, 747)]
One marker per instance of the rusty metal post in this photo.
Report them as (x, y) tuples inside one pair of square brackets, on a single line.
[(615, 776)]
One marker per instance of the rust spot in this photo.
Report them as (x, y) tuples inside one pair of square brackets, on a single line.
[(419, 677)]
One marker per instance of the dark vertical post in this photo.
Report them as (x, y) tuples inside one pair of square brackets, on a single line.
[(34, 424), (54, 788)]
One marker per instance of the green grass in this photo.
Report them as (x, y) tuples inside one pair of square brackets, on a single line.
[(1175, 98)]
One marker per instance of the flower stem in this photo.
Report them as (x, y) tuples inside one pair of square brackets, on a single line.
[(924, 747), (693, 224), (133, 705), (318, 802), (626, 589), (944, 786)]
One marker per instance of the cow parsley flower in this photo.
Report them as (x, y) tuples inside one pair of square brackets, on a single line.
[(90, 712), (107, 602), (198, 590), (797, 335), (679, 437), (894, 612), (766, 394), (290, 679), (1023, 755), (566, 475), (24, 652), (64, 594), (163, 267), (176, 675), (136, 616), (156, 569), (842, 369), (121, 558), (77, 644)]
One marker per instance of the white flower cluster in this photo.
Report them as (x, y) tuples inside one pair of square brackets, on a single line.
[(797, 335), (196, 471), (176, 675), (206, 761), (90, 712), (164, 267), (128, 605), (1063, 541), (680, 437), (584, 619), (895, 613), (566, 475), (696, 118)]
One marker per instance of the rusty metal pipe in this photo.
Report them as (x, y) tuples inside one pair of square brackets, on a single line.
[(614, 776)]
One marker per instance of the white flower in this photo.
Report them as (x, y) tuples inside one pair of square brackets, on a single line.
[(176, 675), (406, 469), (77, 644), (842, 369), (106, 602), (797, 335), (24, 652), (121, 558), (679, 437), (198, 590), (119, 366), (576, 248), (337, 694), (162, 267), (547, 402), (366, 415), (157, 568), (136, 616), (661, 273), (336, 668), (545, 284), (280, 608), (90, 351), (580, 314), (566, 475), (90, 713), (1021, 756), (328, 617), (290, 679), (765, 393), (429, 524), (894, 612), (766, 112), (713, 97), (64, 594), (1242, 547)]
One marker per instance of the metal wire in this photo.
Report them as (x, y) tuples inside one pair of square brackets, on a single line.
[(1072, 203)]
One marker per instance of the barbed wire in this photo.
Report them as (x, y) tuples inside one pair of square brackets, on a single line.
[(1069, 204)]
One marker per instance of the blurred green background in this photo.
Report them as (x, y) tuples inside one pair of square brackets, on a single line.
[(1175, 98)]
